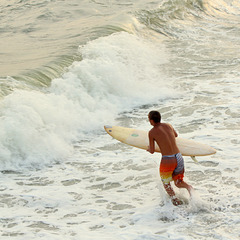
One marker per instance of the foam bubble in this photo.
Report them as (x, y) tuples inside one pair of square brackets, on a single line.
[(197, 204)]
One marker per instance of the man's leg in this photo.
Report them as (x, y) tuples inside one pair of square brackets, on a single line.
[(171, 193), (169, 189), (181, 184)]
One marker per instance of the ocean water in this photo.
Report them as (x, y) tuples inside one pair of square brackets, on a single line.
[(68, 68)]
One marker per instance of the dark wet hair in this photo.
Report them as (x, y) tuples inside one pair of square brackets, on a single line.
[(155, 116)]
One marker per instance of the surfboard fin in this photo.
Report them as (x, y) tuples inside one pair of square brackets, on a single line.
[(194, 159)]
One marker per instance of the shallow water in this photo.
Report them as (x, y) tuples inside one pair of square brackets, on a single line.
[(62, 176)]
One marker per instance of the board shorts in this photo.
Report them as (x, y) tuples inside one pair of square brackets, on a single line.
[(171, 168)]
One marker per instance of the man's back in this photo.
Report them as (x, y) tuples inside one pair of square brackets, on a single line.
[(164, 135)]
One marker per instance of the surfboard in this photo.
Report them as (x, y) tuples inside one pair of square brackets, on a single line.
[(139, 138)]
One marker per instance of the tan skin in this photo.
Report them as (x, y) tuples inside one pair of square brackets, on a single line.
[(164, 134)]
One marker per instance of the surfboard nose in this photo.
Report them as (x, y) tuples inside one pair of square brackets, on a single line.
[(108, 128)]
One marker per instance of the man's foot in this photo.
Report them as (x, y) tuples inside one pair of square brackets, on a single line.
[(190, 190), (176, 201)]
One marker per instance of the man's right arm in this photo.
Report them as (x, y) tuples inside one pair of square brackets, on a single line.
[(151, 147)]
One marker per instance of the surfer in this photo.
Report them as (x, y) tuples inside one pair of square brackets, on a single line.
[(172, 164)]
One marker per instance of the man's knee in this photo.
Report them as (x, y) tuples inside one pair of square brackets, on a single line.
[(178, 182)]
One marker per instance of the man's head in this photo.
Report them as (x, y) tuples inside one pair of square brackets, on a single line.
[(154, 116)]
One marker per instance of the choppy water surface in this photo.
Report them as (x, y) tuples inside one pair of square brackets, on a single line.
[(67, 69)]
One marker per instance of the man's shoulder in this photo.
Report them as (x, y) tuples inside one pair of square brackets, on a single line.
[(151, 131), (166, 124), (155, 130)]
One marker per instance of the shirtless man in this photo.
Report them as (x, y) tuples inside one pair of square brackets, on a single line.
[(172, 165)]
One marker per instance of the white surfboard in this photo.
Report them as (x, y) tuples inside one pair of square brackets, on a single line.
[(139, 139)]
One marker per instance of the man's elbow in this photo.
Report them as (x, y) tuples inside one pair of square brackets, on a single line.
[(151, 151)]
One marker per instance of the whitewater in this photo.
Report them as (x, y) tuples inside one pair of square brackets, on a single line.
[(68, 68)]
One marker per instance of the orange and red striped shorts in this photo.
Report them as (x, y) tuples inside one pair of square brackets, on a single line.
[(171, 168)]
